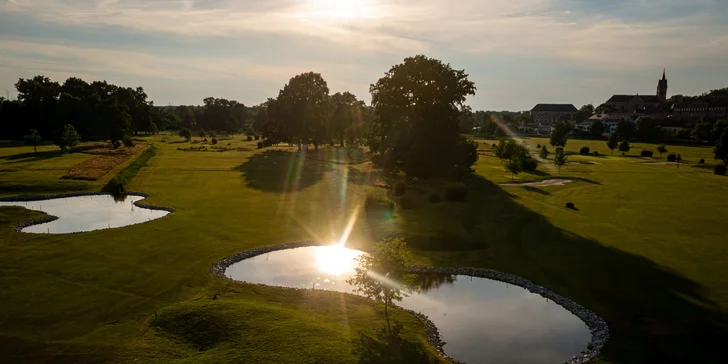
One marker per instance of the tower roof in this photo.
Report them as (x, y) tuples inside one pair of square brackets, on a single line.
[(663, 75)]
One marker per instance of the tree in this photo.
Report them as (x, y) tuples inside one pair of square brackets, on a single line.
[(662, 149), (514, 166), (153, 128), (721, 147), (647, 129), (678, 159), (382, 275), (583, 113), (128, 142), (624, 147), (560, 158), (347, 115), (718, 128), (231, 126), (624, 129), (418, 106), (68, 138), (501, 131), (201, 133), (597, 129), (612, 143), (560, 133), (34, 139), (544, 152), (186, 133), (702, 131), (301, 111)]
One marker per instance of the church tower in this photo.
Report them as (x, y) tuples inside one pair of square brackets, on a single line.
[(662, 87)]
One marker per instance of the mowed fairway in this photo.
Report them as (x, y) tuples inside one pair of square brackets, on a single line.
[(646, 250)]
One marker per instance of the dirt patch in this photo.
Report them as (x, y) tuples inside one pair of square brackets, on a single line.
[(548, 182), (107, 160)]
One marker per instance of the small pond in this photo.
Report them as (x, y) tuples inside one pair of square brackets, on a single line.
[(87, 213), (481, 320)]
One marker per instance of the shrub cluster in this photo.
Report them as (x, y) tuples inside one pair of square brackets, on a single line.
[(646, 153), (260, 145), (702, 161), (249, 138), (672, 157), (214, 141), (529, 164), (570, 205), (117, 185), (399, 188), (456, 192), (257, 137), (584, 150), (720, 169), (596, 154), (434, 198)]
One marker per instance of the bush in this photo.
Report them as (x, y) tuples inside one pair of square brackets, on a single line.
[(378, 202), (702, 161), (214, 141), (596, 154), (529, 165), (399, 188), (538, 146), (456, 192), (249, 138), (672, 157), (570, 205), (584, 150), (646, 153), (493, 145), (115, 144), (720, 169), (257, 137), (434, 198), (260, 145), (127, 141), (185, 133), (405, 203)]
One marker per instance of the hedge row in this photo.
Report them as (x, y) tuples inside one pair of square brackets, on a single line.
[(117, 185)]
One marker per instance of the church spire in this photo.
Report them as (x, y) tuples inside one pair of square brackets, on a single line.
[(662, 87), (663, 74)]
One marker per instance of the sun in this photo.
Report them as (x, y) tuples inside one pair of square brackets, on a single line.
[(335, 259), (351, 9)]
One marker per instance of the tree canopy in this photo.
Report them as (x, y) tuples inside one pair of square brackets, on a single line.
[(560, 134)]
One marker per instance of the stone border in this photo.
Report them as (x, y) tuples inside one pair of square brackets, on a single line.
[(597, 325), (50, 218)]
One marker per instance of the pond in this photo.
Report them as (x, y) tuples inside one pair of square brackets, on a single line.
[(87, 213), (481, 320)]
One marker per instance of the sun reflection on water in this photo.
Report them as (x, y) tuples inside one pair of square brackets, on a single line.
[(336, 259)]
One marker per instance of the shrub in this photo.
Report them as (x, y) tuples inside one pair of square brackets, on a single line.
[(115, 144), (186, 133), (596, 153), (434, 198), (214, 141), (584, 150), (570, 205), (702, 161), (456, 192), (672, 157), (646, 153), (399, 188), (720, 169), (201, 134), (260, 145), (529, 165), (257, 137), (493, 145), (405, 203), (538, 146), (249, 138), (127, 141)]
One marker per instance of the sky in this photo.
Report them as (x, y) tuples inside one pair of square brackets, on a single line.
[(518, 52)]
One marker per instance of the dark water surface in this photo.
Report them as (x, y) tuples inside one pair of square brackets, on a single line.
[(481, 320), (87, 213)]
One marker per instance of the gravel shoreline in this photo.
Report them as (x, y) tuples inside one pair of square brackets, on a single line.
[(50, 218), (597, 325)]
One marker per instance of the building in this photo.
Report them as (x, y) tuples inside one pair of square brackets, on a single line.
[(548, 114), (632, 103), (696, 109)]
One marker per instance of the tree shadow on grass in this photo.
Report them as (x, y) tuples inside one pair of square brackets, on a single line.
[(655, 314), (389, 348), (537, 190), (33, 156), (282, 171)]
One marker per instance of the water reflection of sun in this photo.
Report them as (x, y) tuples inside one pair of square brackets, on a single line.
[(335, 259)]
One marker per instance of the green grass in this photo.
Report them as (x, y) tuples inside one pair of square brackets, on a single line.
[(645, 250), (119, 183)]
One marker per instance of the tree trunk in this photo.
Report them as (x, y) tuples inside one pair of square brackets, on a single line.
[(341, 140), (35, 149), (386, 316)]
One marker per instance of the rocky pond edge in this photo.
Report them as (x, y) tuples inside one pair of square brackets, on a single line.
[(50, 218), (597, 326)]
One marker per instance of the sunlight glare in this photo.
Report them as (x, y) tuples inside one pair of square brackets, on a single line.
[(341, 8), (335, 259)]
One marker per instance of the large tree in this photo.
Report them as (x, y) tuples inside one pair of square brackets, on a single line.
[(560, 134), (612, 143), (346, 118), (300, 112), (418, 105), (647, 129), (624, 129), (596, 129), (721, 147)]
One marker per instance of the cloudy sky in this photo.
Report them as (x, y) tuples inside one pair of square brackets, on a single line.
[(518, 52)]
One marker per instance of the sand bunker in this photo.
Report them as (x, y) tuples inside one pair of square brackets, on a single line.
[(548, 182)]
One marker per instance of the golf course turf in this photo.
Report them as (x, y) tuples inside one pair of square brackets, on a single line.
[(644, 248)]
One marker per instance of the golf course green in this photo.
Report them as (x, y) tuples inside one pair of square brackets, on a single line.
[(644, 248)]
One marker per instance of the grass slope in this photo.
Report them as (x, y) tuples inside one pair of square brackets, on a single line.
[(645, 250)]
